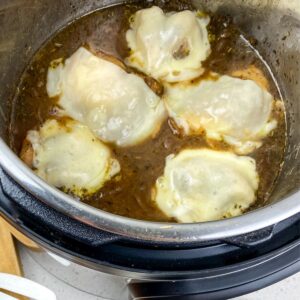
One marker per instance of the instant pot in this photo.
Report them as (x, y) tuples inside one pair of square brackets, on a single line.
[(212, 260)]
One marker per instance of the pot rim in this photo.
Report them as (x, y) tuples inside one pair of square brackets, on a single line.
[(144, 230)]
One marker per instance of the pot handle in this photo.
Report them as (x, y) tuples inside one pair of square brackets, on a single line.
[(251, 239)]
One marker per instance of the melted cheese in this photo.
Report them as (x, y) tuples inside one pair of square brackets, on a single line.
[(204, 185), (118, 107), (236, 110), (67, 155), (170, 47)]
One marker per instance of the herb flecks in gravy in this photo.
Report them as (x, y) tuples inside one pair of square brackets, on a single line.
[(104, 31)]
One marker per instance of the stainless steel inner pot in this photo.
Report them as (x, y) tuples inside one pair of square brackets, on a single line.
[(27, 24)]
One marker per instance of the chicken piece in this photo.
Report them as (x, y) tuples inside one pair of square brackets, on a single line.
[(58, 154), (116, 105), (230, 109), (170, 47)]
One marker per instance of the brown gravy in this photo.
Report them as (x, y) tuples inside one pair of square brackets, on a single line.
[(141, 165)]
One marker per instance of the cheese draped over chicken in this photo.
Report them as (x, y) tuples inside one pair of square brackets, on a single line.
[(118, 107), (230, 109), (203, 185), (171, 46), (68, 155)]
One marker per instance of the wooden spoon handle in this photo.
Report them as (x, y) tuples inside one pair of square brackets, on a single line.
[(22, 238), (9, 259)]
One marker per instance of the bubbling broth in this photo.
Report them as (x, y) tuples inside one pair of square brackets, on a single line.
[(141, 165)]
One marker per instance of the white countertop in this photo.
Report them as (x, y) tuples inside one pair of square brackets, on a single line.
[(288, 289)]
